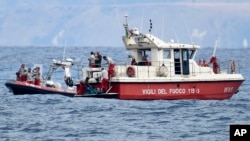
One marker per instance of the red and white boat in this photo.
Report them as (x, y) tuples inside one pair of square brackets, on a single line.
[(169, 72), (158, 70), (46, 86), (22, 86)]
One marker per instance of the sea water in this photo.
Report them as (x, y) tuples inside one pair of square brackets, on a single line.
[(59, 118)]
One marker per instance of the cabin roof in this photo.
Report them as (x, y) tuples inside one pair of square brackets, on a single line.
[(161, 44), (149, 41)]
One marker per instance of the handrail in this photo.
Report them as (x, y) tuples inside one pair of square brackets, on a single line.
[(149, 70)]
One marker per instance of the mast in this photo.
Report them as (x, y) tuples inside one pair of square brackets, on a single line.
[(126, 25), (215, 47)]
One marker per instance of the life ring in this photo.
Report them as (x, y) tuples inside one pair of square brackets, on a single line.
[(232, 67), (131, 71), (163, 71)]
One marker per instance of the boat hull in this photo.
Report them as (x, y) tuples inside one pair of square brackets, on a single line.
[(19, 88), (212, 90)]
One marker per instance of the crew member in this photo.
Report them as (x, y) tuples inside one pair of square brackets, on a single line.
[(216, 67), (21, 76), (98, 59), (104, 78), (37, 75), (133, 61), (110, 62), (92, 60), (29, 76), (232, 67)]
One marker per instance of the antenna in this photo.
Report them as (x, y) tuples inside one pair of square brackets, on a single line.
[(142, 20), (64, 50), (190, 37), (126, 18), (215, 46), (163, 21), (176, 35), (126, 25), (117, 13), (151, 26)]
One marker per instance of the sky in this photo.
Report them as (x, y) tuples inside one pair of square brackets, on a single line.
[(100, 22)]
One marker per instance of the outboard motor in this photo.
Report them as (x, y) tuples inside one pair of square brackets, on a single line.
[(66, 66)]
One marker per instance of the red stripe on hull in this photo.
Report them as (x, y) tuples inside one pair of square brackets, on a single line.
[(177, 90)]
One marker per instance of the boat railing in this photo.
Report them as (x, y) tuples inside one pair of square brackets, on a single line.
[(177, 70), (231, 66), (165, 69), (161, 69)]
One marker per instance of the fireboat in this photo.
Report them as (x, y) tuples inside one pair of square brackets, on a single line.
[(164, 71), (157, 70)]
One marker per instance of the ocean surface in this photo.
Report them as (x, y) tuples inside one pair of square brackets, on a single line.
[(60, 118)]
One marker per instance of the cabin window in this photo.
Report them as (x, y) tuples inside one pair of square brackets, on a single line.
[(145, 57), (191, 54), (176, 54), (166, 54), (184, 55)]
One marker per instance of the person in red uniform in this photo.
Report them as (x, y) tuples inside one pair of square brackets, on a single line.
[(29, 76), (37, 75), (92, 60), (110, 62), (21, 74), (104, 78), (216, 67)]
